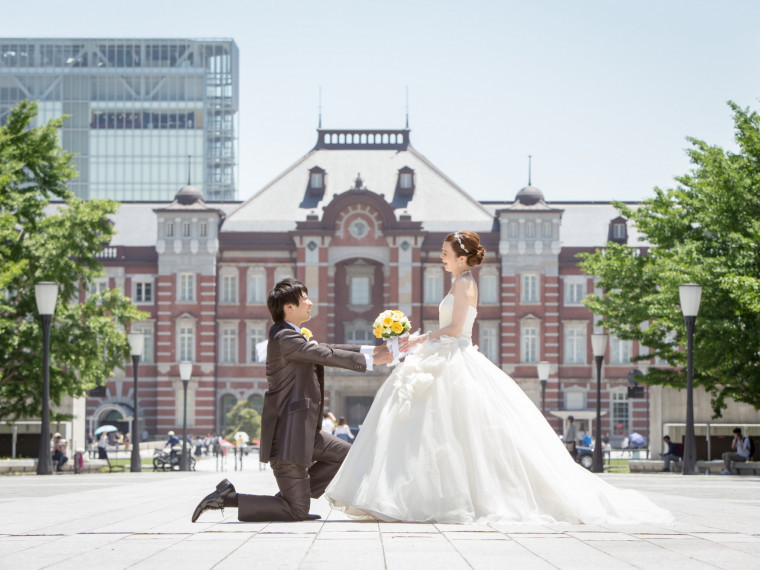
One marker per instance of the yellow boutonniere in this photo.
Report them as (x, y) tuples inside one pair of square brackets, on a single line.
[(307, 333)]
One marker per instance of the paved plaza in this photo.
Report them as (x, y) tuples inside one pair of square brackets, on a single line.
[(124, 520)]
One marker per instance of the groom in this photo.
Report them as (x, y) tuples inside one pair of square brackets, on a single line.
[(303, 458)]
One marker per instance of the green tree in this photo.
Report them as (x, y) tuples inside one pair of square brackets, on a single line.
[(47, 234), (242, 417), (706, 231)]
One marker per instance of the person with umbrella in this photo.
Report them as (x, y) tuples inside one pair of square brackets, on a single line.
[(103, 443)]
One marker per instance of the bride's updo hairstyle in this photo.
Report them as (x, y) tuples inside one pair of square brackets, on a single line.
[(467, 244)]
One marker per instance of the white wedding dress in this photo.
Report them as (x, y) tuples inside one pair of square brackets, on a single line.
[(450, 438)]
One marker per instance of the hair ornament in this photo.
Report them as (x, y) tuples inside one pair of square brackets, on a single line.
[(459, 239)]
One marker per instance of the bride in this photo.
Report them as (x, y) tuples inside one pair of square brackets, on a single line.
[(450, 438)]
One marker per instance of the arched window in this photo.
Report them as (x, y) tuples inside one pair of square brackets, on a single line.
[(257, 402), (228, 402)]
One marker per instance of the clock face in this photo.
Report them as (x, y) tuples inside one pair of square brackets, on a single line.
[(359, 229)]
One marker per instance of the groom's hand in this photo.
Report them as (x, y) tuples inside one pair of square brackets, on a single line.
[(382, 355)]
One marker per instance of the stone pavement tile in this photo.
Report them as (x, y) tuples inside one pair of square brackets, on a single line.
[(641, 554), (232, 525), (489, 554), (566, 552), (726, 537), (106, 556), (407, 527), (567, 527), (364, 553), (52, 551), (298, 527), (194, 553), (523, 528), (464, 527), (722, 556), (420, 550), (493, 535), (270, 551), (349, 526), (11, 544), (597, 536)]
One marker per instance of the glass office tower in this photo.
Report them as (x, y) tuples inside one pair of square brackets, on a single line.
[(145, 115)]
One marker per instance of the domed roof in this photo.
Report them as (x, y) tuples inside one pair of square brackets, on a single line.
[(189, 195), (529, 195)]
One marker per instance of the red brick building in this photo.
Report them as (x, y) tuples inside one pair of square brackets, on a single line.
[(360, 219)]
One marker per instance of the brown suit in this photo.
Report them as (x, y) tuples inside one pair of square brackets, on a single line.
[(304, 459)]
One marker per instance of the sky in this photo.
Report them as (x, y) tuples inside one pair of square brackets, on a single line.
[(603, 94)]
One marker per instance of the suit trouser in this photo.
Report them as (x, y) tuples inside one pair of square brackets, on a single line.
[(297, 483)]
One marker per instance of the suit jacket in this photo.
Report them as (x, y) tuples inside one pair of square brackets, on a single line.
[(293, 405)]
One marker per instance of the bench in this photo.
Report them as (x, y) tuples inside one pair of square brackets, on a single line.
[(652, 465)]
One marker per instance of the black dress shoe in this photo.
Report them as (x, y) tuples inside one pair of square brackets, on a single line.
[(311, 517), (215, 500)]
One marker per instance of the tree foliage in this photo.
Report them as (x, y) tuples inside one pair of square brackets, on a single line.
[(243, 417), (60, 242), (705, 231)]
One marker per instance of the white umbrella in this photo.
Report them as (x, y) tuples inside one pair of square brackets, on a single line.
[(241, 435), (106, 429)]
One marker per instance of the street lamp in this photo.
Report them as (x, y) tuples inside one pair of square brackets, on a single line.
[(543, 368), (691, 295), (185, 372), (644, 366), (136, 344), (598, 346), (46, 294)]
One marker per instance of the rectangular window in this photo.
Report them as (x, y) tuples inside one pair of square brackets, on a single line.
[(316, 180), (359, 333), (169, 229), (405, 180), (620, 414), (147, 355), (529, 290), (618, 230), (186, 288), (433, 285), (185, 229), (513, 230), (360, 291), (229, 289), (186, 342), (529, 343), (228, 350), (203, 227), (489, 289), (575, 292), (143, 292), (575, 344), (530, 230), (575, 400), (99, 286), (256, 286), (489, 340), (256, 334), (546, 230), (620, 350)]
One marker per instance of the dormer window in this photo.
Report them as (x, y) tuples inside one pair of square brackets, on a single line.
[(618, 231), (316, 181), (405, 184)]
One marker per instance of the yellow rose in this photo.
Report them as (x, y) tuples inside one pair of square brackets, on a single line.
[(307, 333), (387, 321), (397, 328), (379, 332)]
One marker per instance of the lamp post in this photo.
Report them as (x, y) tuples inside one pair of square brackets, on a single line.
[(598, 346), (543, 368), (643, 366), (690, 295), (185, 372), (136, 344), (46, 294)]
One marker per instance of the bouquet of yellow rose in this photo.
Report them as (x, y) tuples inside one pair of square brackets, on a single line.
[(391, 324)]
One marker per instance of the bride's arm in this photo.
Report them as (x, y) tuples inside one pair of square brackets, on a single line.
[(465, 294)]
